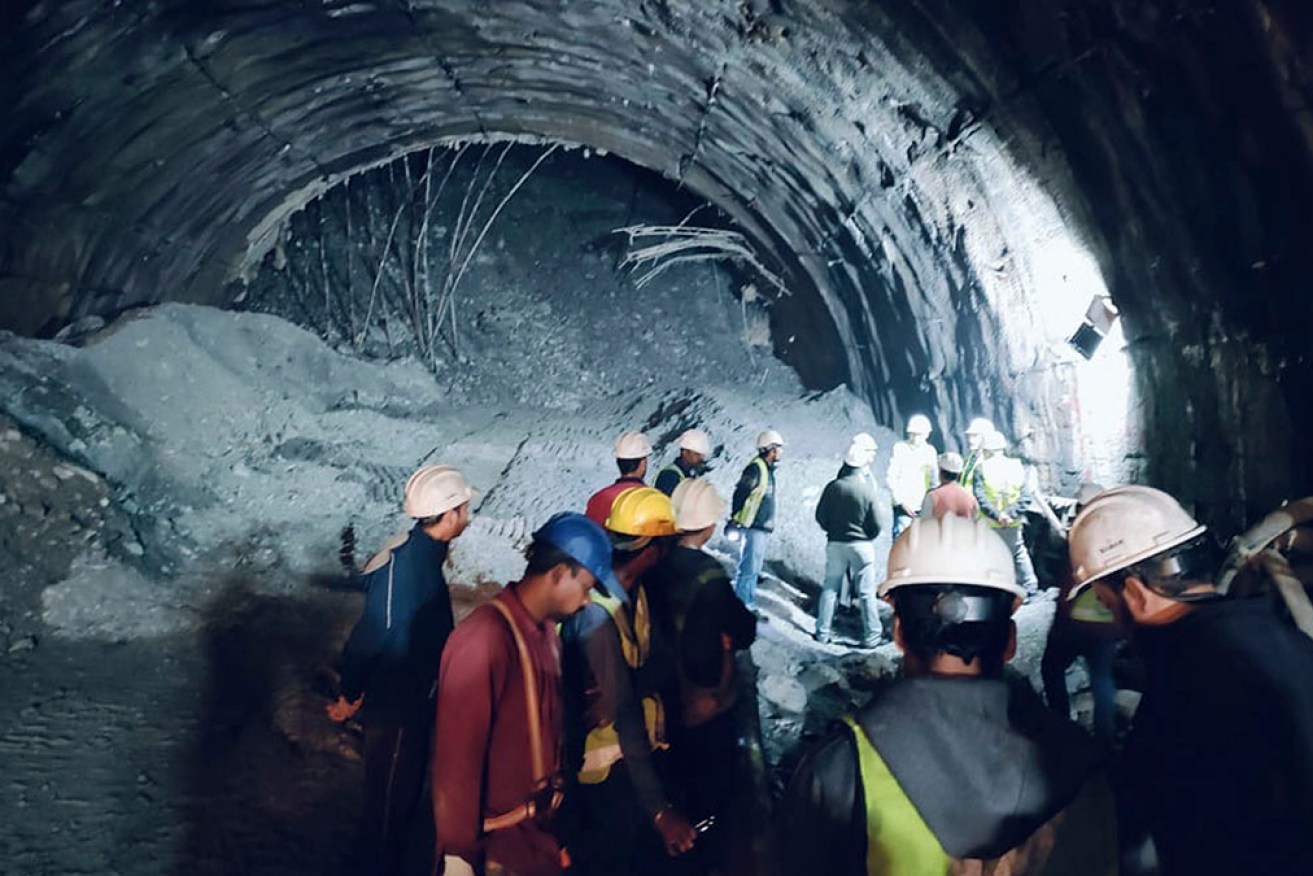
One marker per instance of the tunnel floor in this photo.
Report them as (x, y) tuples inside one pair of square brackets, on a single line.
[(165, 655)]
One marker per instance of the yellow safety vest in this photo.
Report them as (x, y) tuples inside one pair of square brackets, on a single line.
[(1003, 481), (898, 842), (602, 745), (747, 515)]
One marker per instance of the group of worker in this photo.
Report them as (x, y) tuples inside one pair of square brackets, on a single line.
[(921, 482), (956, 767), (584, 714)]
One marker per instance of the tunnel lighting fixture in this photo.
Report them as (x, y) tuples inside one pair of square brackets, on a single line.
[(1098, 321)]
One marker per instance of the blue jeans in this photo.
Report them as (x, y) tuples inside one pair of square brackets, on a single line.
[(901, 521), (752, 554)]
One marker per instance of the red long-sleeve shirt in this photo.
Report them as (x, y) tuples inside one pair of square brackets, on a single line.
[(482, 763)]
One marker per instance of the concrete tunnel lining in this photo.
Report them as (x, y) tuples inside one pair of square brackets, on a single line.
[(906, 165), (852, 163)]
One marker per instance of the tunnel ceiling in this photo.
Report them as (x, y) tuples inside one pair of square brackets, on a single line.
[(911, 166)]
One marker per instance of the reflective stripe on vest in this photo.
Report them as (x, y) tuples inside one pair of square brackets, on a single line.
[(747, 515), (898, 842), (602, 746), (1003, 481)]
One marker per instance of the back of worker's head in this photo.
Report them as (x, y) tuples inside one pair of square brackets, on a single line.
[(640, 518), (631, 452), (950, 466), (954, 589)]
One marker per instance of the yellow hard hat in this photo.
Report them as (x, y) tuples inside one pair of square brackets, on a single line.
[(642, 512)]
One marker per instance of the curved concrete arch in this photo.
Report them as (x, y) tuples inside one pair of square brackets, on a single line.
[(912, 166)]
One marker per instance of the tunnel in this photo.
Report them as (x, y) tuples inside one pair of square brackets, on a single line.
[(241, 239)]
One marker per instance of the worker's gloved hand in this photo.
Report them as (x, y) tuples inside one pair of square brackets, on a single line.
[(343, 709), (676, 833)]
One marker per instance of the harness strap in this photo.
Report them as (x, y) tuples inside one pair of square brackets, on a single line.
[(529, 808)]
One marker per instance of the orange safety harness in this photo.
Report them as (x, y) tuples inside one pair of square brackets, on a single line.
[(543, 781)]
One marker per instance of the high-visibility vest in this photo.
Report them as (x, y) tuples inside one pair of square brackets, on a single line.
[(747, 515), (1003, 481), (898, 841), (969, 466), (602, 745)]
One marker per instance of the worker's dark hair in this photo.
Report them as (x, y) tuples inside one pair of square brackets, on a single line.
[(629, 466), (543, 556), (1176, 571), (927, 632), (948, 477)]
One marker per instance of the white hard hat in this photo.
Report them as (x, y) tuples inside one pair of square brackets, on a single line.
[(951, 462), (1125, 526), (697, 504), (995, 441), (434, 489), (980, 426), (861, 451), (632, 445), (951, 550), (695, 440), (919, 425), (769, 438)]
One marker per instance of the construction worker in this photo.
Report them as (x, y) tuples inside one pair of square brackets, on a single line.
[(1000, 488), (694, 448), (692, 594), (952, 768), (632, 450), (752, 515), (912, 469), (620, 817), (496, 754), (1083, 627), (976, 432), (1219, 760), (950, 497), (847, 513), (390, 662)]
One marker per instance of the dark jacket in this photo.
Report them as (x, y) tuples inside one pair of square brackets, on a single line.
[(846, 510), (1219, 764), (748, 483), (984, 763), (693, 604), (672, 475), (395, 650), (600, 688)]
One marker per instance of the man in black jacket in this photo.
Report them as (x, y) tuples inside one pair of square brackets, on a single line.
[(847, 512), (951, 768), (1218, 768), (694, 604), (390, 663)]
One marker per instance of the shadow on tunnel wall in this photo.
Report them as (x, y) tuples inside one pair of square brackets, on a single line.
[(271, 785)]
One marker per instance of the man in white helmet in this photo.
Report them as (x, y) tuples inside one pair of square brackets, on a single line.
[(632, 450), (1002, 491), (912, 471), (1218, 768), (976, 432), (694, 448), (693, 602), (390, 662), (847, 511), (951, 768), (752, 514)]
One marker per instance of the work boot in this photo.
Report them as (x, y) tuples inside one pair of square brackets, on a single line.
[(823, 638)]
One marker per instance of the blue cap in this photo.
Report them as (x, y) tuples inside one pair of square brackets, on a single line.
[(586, 543)]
